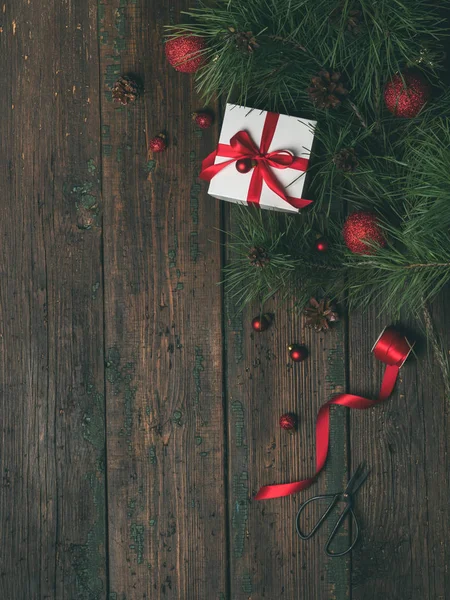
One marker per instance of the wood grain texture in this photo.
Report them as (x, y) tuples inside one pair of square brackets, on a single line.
[(404, 504), (109, 265), (52, 494), (268, 559), (163, 326)]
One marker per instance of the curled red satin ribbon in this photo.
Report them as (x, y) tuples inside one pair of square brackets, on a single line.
[(392, 348), (242, 146)]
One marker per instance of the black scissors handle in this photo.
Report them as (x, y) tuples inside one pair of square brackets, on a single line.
[(334, 500), (355, 529)]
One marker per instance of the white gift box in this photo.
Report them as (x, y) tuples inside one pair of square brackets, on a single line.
[(291, 134)]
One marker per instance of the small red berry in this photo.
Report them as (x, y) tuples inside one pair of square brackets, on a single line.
[(321, 245), (288, 422), (203, 119), (298, 353), (158, 143), (261, 323)]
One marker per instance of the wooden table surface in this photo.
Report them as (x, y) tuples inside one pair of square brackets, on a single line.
[(139, 411)]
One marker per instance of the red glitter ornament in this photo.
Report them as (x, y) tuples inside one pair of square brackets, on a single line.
[(321, 245), (288, 422), (261, 323), (203, 119), (361, 226), (405, 95), (158, 143), (298, 353), (185, 53), (244, 165)]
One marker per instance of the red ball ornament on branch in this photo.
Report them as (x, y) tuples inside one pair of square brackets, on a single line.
[(406, 94), (262, 323), (185, 53), (158, 143), (362, 227), (298, 353), (204, 120), (288, 422)]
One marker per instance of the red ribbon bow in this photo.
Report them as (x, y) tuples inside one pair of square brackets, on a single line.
[(242, 146), (392, 348)]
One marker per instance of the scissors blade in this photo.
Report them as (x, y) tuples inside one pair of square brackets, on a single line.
[(357, 479)]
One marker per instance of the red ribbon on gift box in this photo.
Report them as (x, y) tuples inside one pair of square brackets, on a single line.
[(392, 348), (242, 146)]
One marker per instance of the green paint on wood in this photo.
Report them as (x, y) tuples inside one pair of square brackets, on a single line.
[(194, 195), (131, 508), (246, 584), (198, 368), (151, 166), (88, 559), (95, 288), (204, 454), (93, 423), (240, 512), (101, 12), (107, 150), (179, 286), (119, 45), (177, 415), (237, 411), (120, 378), (173, 251), (198, 440), (193, 246), (106, 133), (152, 455), (120, 20), (336, 367), (152, 522), (119, 155), (338, 569), (137, 535), (92, 167)]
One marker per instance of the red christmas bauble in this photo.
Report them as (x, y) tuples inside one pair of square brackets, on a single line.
[(203, 119), (261, 323), (244, 165), (158, 143), (298, 353), (185, 53), (361, 226), (321, 245), (406, 94), (288, 422)]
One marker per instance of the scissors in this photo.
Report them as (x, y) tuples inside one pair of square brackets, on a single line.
[(354, 483)]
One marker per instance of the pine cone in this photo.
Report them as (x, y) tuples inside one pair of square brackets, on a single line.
[(244, 40), (353, 19), (320, 314), (346, 160), (327, 91), (125, 90), (258, 257)]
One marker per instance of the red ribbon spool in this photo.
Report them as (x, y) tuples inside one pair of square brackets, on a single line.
[(243, 147), (392, 348)]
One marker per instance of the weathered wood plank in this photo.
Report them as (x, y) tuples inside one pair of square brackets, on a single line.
[(268, 560), (404, 504), (163, 326), (52, 500)]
